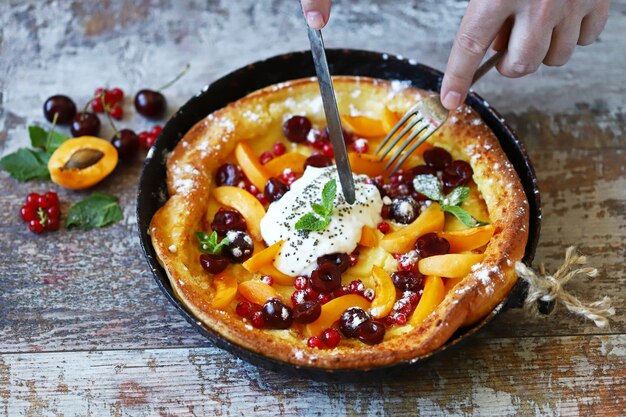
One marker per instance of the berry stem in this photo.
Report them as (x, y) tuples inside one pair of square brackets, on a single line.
[(178, 77)]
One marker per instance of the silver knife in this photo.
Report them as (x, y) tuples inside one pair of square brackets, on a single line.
[(332, 115)]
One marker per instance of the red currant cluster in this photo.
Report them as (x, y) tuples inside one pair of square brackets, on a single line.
[(148, 137), (110, 101), (42, 212)]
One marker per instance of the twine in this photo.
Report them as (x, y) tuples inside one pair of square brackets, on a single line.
[(547, 288)]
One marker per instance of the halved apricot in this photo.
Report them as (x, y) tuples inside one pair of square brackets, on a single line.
[(251, 166), (401, 241), (363, 126), (369, 239), (433, 295), (257, 292), (292, 160), (225, 290), (452, 265), (385, 293), (82, 162), (468, 239), (245, 203), (332, 310)]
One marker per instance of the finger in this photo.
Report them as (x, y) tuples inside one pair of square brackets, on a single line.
[(316, 12), (563, 43), (593, 24), (528, 45), (478, 29), (502, 38)]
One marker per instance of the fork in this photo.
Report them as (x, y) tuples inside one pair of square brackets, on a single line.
[(426, 116)]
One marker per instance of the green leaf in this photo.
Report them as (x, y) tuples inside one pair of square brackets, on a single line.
[(457, 196), (26, 164), (312, 222), (429, 185), (49, 141), (319, 209), (209, 244), (97, 210), (465, 218), (328, 195)]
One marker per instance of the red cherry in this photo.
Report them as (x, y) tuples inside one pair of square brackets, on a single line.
[(327, 150), (279, 149), (117, 113), (331, 338), (117, 94), (314, 342), (32, 200), (265, 157), (384, 227), (28, 213), (52, 223), (35, 226), (156, 130)]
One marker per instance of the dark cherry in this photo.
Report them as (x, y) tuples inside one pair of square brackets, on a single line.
[(63, 106), (226, 220), (307, 312), (340, 260), (213, 264), (228, 174), (457, 173), (326, 278), (239, 248), (85, 124), (371, 333), (430, 245), (297, 128), (407, 280), (351, 320), (150, 103), (422, 170), (275, 189), (348, 137), (126, 142), (437, 157), (397, 190), (318, 161), (403, 210), (276, 314)]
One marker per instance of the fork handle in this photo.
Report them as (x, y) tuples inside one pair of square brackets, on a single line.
[(487, 65)]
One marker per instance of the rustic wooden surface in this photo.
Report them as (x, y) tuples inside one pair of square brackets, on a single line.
[(84, 329)]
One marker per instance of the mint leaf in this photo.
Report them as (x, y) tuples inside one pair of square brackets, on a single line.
[(457, 196), (97, 210), (311, 222), (465, 218), (328, 195), (26, 164), (49, 141), (429, 185), (319, 209), (209, 244)]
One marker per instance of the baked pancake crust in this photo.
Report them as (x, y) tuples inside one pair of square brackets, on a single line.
[(190, 180)]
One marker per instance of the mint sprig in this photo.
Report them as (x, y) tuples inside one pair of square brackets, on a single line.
[(210, 244), (431, 187), (319, 219)]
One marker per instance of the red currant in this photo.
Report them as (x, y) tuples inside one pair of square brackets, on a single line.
[(116, 94), (150, 141), (53, 212), (32, 200), (52, 223), (97, 106), (354, 258), (257, 319), (261, 198), (384, 227), (324, 298), (28, 213), (360, 146), (356, 287), (331, 338), (301, 283), (156, 130), (117, 112), (244, 309), (400, 319), (35, 226), (265, 157), (279, 149), (53, 198), (314, 342), (267, 279), (327, 150)]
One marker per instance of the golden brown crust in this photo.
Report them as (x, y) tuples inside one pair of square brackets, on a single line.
[(209, 143)]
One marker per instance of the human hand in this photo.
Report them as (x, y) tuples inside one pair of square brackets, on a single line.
[(316, 12), (533, 31)]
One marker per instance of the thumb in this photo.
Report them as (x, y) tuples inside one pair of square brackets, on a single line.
[(316, 12)]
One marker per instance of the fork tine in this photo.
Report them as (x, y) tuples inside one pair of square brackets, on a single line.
[(406, 116), (412, 149), (399, 136), (406, 143)]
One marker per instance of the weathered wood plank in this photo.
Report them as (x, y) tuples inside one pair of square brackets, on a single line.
[(589, 380)]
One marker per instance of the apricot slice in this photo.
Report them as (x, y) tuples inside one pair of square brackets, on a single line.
[(225, 290), (390, 118), (385, 293), (434, 292), (468, 239), (257, 292), (82, 162), (363, 126), (452, 265), (251, 166), (369, 239), (332, 310), (451, 283), (264, 257), (279, 277), (401, 241), (292, 160), (245, 203)]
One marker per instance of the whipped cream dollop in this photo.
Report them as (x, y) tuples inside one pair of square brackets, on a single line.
[(298, 255)]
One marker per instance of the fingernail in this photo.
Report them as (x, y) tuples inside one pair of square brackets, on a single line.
[(452, 100), (314, 19)]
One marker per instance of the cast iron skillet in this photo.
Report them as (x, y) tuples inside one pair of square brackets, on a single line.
[(153, 190)]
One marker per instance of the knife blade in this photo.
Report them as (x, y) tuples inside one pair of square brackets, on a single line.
[(335, 132)]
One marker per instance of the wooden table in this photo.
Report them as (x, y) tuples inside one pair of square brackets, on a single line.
[(84, 329)]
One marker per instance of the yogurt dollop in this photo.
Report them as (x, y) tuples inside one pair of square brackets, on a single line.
[(298, 255)]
